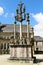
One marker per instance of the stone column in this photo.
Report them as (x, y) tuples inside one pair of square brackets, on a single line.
[(18, 52), (27, 52), (20, 30), (11, 52), (15, 52), (22, 49), (28, 31), (14, 30)]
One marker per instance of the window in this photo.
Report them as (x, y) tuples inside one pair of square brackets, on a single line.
[(8, 46), (1, 46)]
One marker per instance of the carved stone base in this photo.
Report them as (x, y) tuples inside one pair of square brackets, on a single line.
[(20, 52), (20, 59)]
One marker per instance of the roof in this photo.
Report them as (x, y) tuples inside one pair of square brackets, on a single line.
[(38, 38), (10, 28)]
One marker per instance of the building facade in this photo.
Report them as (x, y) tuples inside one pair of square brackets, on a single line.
[(7, 35), (8, 32), (38, 44)]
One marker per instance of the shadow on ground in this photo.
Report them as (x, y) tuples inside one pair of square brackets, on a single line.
[(38, 60)]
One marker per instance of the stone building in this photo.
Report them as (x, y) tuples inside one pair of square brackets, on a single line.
[(38, 44), (7, 33)]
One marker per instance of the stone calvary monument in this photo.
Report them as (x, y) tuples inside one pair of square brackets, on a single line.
[(21, 46)]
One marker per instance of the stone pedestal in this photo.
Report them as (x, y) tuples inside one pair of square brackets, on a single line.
[(21, 52), (25, 53), (11, 52), (14, 52), (18, 52), (29, 52)]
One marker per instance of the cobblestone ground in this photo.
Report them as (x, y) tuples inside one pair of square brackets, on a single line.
[(4, 61)]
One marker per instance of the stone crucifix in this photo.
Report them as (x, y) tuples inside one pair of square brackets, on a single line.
[(21, 16)]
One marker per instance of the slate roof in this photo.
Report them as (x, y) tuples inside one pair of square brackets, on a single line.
[(38, 38), (10, 28)]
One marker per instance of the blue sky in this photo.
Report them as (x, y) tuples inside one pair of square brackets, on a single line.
[(8, 10), (9, 6)]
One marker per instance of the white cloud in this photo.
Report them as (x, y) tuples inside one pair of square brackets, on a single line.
[(38, 28), (1, 10)]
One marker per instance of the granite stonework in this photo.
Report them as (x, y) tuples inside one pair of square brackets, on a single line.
[(22, 49), (20, 52)]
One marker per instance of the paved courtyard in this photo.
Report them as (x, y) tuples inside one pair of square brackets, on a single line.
[(4, 61)]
